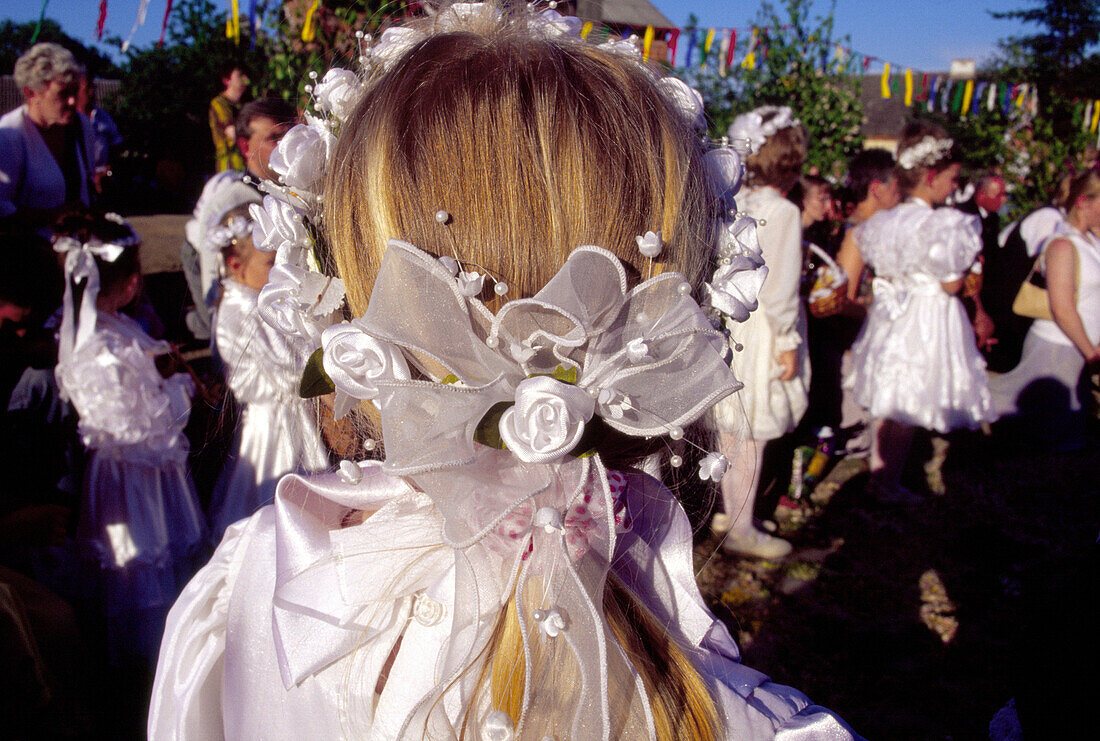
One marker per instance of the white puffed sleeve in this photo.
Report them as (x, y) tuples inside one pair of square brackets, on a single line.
[(187, 693), (953, 241), (781, 243), (261, 365)]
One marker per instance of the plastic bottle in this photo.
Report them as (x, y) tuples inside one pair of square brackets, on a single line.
[(815, 469)]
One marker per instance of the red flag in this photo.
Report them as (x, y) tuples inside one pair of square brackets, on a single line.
[(164, 23), (102, 20), (673, 38), (733, 47)]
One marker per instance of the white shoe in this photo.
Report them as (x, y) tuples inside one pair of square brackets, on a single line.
[(720, 523), (755, 543)]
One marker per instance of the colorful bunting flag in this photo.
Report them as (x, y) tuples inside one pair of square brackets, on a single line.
[(101, 21), (884, 82), (309, 28), (163, 23)]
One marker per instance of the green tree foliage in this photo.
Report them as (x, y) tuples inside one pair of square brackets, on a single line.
[(795, 66), (167, 90), (15, 38), (1034, 149)]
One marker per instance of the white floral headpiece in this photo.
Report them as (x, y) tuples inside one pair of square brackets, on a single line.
[(753, 128), (236, 228), (494, 415), (925, 153)]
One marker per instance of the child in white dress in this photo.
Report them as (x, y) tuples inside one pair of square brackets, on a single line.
[(278, 430), (916, 362), (769, 353), (495, 577), (140, 522)]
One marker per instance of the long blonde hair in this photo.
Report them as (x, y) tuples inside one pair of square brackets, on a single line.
[(532, 146)]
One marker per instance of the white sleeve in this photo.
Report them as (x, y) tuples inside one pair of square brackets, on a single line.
[(187, 692), (781, 243)]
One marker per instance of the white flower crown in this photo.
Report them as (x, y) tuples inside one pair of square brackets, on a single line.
[(928, 151), (753, 128)]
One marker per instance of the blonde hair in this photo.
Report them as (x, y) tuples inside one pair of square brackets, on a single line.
[(532, 146), (779, 161)]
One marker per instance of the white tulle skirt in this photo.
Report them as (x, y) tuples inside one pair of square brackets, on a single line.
[(916, 362), (141, 526), (272, 440)]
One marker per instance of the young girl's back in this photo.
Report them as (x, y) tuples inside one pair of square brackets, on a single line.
[(916, 360), (278, 432)]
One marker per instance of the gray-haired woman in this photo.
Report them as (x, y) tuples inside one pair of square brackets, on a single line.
[(45, 144)]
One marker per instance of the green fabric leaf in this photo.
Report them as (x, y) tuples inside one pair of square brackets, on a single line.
[(315, 382)]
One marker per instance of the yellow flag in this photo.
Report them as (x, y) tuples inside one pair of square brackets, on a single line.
[(885, 81), (1095, 117), (968, 93), (586, 29), (309, 28), (709, 42), (749, 62), (647, 42), (908, 87)]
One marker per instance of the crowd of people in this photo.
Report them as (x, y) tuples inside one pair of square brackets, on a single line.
[(517, 381)]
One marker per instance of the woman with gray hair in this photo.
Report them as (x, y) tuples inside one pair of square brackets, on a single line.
[(45, 144)]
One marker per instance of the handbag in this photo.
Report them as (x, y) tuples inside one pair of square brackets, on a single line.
[(1032, 300)]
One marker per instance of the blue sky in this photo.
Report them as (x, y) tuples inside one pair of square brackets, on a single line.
[(923, 34)]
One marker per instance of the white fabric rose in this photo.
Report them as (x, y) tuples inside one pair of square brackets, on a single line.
[(298, 302), (470, 284), (687, 100), (734, 287), (302, 155), (394, 43), (547, 419), (356, 361), (338, 92), (460, 15), (499, 727), (276, 225), (725, 169), (553, 23), (627, 47)]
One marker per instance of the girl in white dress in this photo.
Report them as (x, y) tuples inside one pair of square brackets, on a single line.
[(1043, 387), (494, 577), (915, 362), (140, 522), (278, 430), (769, 348)]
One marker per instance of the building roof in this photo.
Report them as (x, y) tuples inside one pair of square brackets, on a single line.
[(623, 12)]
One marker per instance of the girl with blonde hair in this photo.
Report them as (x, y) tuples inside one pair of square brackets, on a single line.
[(503, 573)]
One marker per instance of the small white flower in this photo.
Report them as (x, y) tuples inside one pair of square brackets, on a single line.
[(301, 156), (548, 518), (547, 420), (276, 224), (350, 473), (734, 287), (713, 467), (471, 283), (612, 402), (637, 350), (751, 125), (460, 15), (338, 92), (356, 361), (449, 264), (649, 244), (551, 623)]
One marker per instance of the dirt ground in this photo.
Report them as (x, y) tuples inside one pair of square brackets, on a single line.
[(920, 622)]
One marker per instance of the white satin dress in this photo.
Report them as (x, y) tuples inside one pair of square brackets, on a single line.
[(284, 634), (916, 360), (278, 432), (140, 520)]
